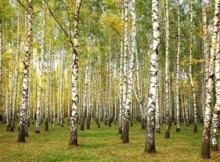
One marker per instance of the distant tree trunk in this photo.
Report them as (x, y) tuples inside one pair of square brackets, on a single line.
[(167, 76), (89, 112), (6, 107), (178, 71), (84, 104), (75, 96), (157, 111), (1, 52), (38, 111), (25, 87), (47, 95), (150, 138), (61, 87), (109, 87), (190, 67), (15, 85), (209, 86), (121, 77), (29, 98)]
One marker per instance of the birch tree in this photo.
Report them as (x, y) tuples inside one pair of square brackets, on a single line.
[(190, 66), (128, 81), (178, 70), (75, 96), (210, 84), (1, 52), (215, 116), (167, 75), (28, 53), (38, 113), (150, 137)]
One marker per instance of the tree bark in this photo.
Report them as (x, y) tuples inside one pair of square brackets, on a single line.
[(128, 80), (190, 67), (150, 137), (178, 71), (167, 71), (215, 116), (209, 85), (38, 111), (75, 96), (25, 86)]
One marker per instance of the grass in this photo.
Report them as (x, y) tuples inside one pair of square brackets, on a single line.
[(101, 144)]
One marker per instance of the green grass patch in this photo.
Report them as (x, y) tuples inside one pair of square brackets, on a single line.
[(101, 144)]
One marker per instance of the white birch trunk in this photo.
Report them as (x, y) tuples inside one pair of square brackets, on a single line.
[(209, 85), (178, 70), (38, 111), (89, 113), (215, 117), (128, 80), (150, 138), (190, 67), (1, 52), (47, 101), (75, 96), (167, 71), (25, 86)]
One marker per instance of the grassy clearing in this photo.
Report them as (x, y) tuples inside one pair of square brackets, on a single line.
[(101, 144)]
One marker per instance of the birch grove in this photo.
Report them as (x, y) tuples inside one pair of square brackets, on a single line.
[(118, 70)]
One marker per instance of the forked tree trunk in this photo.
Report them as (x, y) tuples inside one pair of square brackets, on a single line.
[(150, 135)]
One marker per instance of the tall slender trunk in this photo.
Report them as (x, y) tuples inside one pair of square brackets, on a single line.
[(61, 104), (128, 81), (167, 75), (25, 87), (29, 99), (75, 96), (178, 70), (215, 116), (150, 137), (39, 108), (89, 113), (121, 77), (84, 104), (209, 86), (190, 66), (47, 100), (14, 98), (110, 115), (206, 51), (6, 107), (1, 52)]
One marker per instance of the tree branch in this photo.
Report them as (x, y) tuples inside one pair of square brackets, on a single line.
[(22, 5), (70, 27), (55, 18)]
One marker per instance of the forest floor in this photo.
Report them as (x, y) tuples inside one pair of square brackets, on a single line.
[(101, 144)]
